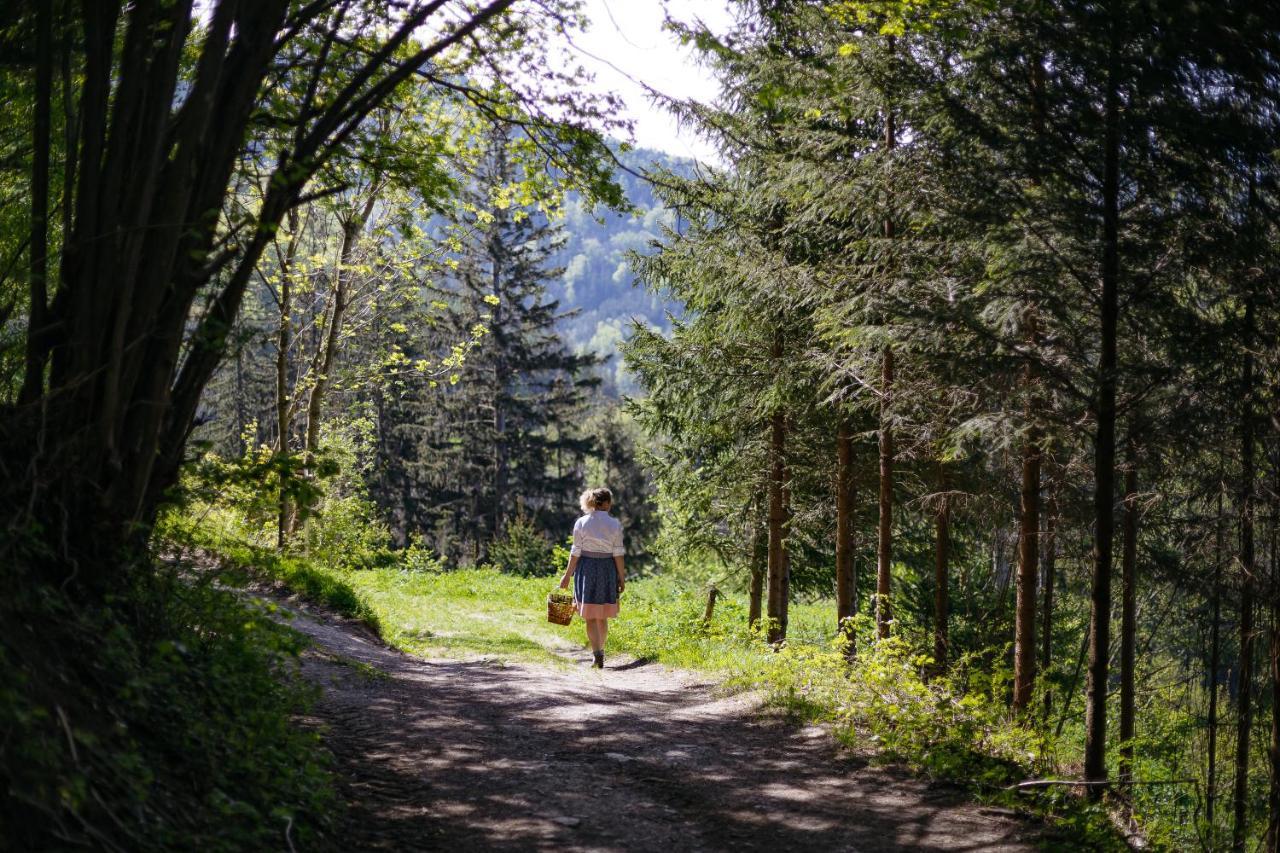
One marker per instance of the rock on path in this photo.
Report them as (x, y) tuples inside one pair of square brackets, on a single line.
[(475, 755)]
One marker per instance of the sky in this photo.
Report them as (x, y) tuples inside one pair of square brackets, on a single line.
[(626, 45)]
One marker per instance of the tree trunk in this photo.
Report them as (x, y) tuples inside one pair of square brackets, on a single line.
[(1273, 655), (1029, 544), (70, 123), (1024, 634), (777, 532), (33, 378), (499, 458), (351, 230), (284, 401), (884, 532), (712, 594), (497, 258), (1049, 551), (786, 542), (1244, 719), (1273, 794), (777, 604), (283, 342), (1095, 744), (759, 564), (846, 590), (1215, 661), (941, 570), (1128, 606), (1244, 711)]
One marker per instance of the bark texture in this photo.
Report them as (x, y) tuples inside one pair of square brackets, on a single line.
[(884, 531), (1128, 608), (941, 570), (1244, 702), (846, 588), (777, 603)]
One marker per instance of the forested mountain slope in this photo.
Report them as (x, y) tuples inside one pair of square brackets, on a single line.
[(598, 282)]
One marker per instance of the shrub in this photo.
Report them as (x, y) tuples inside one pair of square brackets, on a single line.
[(417, 557), (345, 531), (238, 500), (304, 575), (523, 550)]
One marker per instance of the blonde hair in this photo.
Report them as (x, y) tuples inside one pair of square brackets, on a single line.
[(595, 498)]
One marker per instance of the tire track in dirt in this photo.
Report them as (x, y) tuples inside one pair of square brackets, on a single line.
[(439, 754)]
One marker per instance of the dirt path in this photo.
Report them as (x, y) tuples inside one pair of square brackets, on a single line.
[(475, 755)]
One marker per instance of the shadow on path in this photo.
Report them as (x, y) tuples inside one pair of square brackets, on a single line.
[(476, 755)]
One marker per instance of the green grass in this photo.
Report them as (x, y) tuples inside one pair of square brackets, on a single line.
[(313, 581), (465, 612)]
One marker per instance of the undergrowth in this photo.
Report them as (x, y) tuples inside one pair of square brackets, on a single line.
[(163, 720)]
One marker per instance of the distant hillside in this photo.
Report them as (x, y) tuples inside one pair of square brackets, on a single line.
[(597, 279)]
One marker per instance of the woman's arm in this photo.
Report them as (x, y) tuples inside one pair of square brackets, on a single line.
[(568, 572), (618, 550), (574, 550)]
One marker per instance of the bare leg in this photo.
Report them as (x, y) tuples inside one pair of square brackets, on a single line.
[(602, 631), (593, 634)]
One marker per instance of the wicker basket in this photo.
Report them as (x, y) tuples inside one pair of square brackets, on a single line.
[(559, 610)]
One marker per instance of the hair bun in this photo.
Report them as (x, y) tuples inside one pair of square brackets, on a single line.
[(595, 498)]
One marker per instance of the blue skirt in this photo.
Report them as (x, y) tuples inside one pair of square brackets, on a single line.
[(595, 587)]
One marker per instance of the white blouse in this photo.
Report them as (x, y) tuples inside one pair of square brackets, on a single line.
[(599, 533)]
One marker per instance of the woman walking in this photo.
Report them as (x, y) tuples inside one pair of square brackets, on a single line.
[(595, 567)]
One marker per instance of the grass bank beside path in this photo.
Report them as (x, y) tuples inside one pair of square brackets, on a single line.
[(430, 614), (465, 612)]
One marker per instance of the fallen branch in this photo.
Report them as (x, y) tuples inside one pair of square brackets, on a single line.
[(1044, 783), (66, 727), (1123, 822)]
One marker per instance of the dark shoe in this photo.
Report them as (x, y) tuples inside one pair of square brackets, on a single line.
[(599, 663)]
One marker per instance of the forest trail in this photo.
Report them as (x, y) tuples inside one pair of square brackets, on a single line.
[(444, 754)]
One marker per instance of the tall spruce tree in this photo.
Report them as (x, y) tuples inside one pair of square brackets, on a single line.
[(502, 434)]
